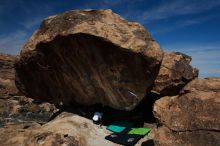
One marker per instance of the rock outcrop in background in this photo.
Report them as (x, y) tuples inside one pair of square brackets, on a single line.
[(175, 72), (14, 107), (7, 76)]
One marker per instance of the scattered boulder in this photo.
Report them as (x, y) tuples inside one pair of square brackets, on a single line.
[(88, 57), (175, 72)]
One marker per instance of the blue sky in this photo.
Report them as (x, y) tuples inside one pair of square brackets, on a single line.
[(188, 26)]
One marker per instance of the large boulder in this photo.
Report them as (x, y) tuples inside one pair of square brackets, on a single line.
[(194, 109), (175, 72), (191, 118), (88, 57), (190, 111)]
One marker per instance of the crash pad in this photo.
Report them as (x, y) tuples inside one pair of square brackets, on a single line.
[(139, 131), (119, 126), (124, 139)]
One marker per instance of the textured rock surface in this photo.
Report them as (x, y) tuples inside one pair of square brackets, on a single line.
[(166, 137), (175, 72), (190, 111), (191, 118), (7, 75), (65, 130), (31, 134), (19, 109), (205, 85), (7, 66), (196, 109), (87, 57)]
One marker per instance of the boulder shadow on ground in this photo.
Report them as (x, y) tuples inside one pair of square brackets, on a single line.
[(139, 116)]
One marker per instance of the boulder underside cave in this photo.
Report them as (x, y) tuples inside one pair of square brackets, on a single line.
[(87, 57), (85, 69)]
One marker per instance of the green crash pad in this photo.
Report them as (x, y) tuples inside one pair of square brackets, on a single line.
[(118, 126), (139, 131)]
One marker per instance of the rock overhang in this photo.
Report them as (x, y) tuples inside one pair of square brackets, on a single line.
[(96, 57)]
